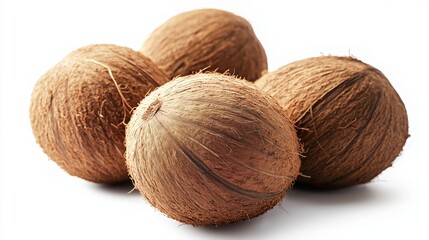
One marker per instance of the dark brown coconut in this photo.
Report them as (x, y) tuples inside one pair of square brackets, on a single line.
[(211, 149), (79, 109), (351, 121), (207, 39)]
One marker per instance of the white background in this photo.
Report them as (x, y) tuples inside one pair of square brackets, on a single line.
[(40, 201)]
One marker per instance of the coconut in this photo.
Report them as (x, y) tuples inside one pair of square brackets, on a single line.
[(350, 119), (79, 109), (211, 149), (207, 39)]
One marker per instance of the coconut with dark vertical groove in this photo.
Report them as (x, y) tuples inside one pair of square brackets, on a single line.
[(211, 149), (350, 119)]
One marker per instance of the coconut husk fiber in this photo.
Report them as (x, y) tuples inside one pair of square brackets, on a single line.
[(209, 39), (350, 119), (211, 149), (79, 109)]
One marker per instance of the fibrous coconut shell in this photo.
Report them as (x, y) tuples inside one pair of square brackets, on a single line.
[(79, 109), (209, 39), (350, 119), (211, 149)]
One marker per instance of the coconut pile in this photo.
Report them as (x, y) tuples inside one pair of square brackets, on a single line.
[(205, 133)]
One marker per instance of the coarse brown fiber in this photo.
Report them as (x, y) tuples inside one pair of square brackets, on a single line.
[(350, 119), (79, 109), (209, 39), (211, 149)]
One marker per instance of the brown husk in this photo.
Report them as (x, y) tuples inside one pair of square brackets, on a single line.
[(79, 109), (211, 149), (206, 39), (351, 121)]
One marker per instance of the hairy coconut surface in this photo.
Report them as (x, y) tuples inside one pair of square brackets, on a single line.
[(79, 109), (351, 121), (211, 149), (207, 39)]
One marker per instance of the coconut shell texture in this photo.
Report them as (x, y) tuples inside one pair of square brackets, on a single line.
[(79, 109), (208, 39), (351, 121), (211, 149)]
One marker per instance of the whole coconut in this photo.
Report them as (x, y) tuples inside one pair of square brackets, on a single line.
[(79, 109), (210, 149), (351, 121), (206, 39)]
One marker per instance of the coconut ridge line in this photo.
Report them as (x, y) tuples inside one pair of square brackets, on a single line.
[(320, 95), (367, 161), (326, 134), (237, 142), (247, 114), (198, 163), (384, 135), (205, 171), (234, 137), (355, 77), (264, 83)]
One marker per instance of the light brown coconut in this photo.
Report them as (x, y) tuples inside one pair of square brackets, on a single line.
[(207, 39), (79, 109), (351, 120), (211, 149)]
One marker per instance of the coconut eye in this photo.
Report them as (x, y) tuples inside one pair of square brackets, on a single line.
[(352, 122), (79, 109), (211, 149)]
